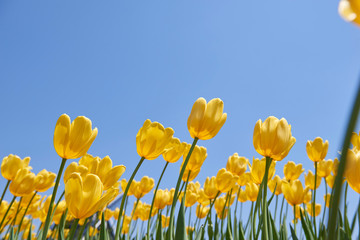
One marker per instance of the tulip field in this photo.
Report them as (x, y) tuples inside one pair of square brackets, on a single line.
[(281, 207), (245, 200)]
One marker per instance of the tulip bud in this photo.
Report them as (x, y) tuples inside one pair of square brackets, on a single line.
[(237, 165), (292, 171), (317, 149), (11, 164)]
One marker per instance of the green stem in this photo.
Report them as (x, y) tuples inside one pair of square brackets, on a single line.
[(17, 211), (153, 200), (313, 203), (264, 200), (276, 204), (172, 211), (117, 234), (132, 215), (26, 209), (324, 211), (333, 211), (281, 209), (295, 219), (6, 213), (47, 221), (82, 229), (73, 229), (211, 205), (61, 196), (345, 208), (3, 194)]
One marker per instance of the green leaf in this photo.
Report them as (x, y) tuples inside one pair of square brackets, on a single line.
[(200, 234), (159, 235), (30, 232), (11, 236), (306, 227), (293, 234), (272, 195), (103, 235), (61, 235), (273, 229), (210, 228), (180, 233), (241, 231), (235, 228)]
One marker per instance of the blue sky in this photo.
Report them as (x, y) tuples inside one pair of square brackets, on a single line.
[(121, 62)]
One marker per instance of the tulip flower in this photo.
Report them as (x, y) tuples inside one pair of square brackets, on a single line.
[(242, 197), (309, 209), (244, 179), (11, 164), (196, 159), (352, 171), (161, 199), (174, 150), (23, 184), (206, 119), (272, 138), (210, 188), (152, 139), (294, 192), (84, 197), (44, 180), (317, 149), (236, 164), (350, 10), (192, 176), (307, 197), (190, 198), (165, 221), (203, 199), (252, 191), (310, 180), (276, 181), (324, 168), (74, 167), (257, 170), (146, 184), (201, 211), (225, 180), (292, 171), (73, 140)]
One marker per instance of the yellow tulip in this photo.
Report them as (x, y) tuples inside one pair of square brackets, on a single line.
[(292, 171), (252, 191), (330, 180), (190, 198), (23, 184), (203, 199), (196, 159), (324, 168), (73, 140), (242, 197), (201, 211), (161, 199), (210, 188), (11, 164), (308, 197), (236, 164), (44, 180), (225, 180), (174, 150), (133, 185), (352, 171), (309, 209), (276, 181), (272, 138), (136, 190), (310, 180), (244, 179), (350, 10), (108, 213), (146, 184), (74, 167), (103, 168), (165, 221), (193, 174), (335, 166), (26, 199), (206, 119), (297, 211), (317, 149), (84, 196), (257, 170), (327, 199), (152, 139), (294, 192)]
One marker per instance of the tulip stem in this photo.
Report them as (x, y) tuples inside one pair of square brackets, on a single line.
[(3, 194), (26, 209), (211, 205), (265, 207), (82, 228), (50, 210), (117, 233), (333, 211), (132, 215), (73, 228), (61, 196), (281, 209), (295, 219), (326, 196), (17, 211), (276, 205), (172, 211), (313, 203), (153, 200), (6, 213)]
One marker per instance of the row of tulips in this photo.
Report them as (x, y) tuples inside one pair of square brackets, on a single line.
[(93, 183)]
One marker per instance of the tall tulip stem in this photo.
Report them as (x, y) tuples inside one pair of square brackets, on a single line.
[(153, 200), (3, 194), (6, 213), (313, 203), (117, 233), (264, 200), (178, 186), (26, 209), (50, 210)]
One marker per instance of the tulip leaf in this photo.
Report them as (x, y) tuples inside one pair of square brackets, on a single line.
[(159, 235), (216, 232), (272, 228), (272, 195), (102, 227), (200, 234), (293, 234), (210, 228), (11, 235), (235, 234), (306, 227), (61, 235), (180, 233), (241, 232), (30, 232)]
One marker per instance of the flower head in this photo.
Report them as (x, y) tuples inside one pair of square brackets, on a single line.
[(292, 171), (11, 164), (317, 149)]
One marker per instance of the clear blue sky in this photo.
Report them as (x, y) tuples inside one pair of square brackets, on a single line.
[(121, 62)]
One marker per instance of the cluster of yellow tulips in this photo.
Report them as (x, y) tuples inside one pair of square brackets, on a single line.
[(92, 183)]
